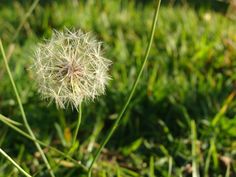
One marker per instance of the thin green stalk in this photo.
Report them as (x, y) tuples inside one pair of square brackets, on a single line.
[(78, 124), (23, 112), (14, 163), (194, 149), (11, 125), (32, 7), (114, 127), (208, 159)]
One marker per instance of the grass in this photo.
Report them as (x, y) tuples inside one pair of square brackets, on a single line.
[(184, 105), (23, 112), (14, 163)]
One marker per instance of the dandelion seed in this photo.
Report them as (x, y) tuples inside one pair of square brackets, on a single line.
[(70, 68)]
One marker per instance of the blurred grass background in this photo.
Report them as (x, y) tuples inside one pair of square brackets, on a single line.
[(182, 117)]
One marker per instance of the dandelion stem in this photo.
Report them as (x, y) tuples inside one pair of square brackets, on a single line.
[(14, 163), (115, 125), (23, 112), (78, 124)]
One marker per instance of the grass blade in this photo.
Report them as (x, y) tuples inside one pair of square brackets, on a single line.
[(5, 119), (76, 163), (151, 167), (14, 163), (194, 149), (23, 112), (224, 108), (31, 9), (170, 166)]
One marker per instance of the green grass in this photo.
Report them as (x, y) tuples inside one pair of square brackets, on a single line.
[(183, 111)]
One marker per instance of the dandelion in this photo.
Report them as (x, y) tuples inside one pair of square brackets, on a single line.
[(70, 68)]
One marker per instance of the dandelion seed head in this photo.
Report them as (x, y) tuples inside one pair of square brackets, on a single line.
[(70, 68)]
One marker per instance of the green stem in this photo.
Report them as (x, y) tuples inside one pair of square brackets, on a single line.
[(78, 124), (114, 127), (14, 163), (23, 112)]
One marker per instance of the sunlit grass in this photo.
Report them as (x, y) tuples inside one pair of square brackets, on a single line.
[(190, 77)]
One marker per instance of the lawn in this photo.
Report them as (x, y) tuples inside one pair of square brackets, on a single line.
[(181, 120)]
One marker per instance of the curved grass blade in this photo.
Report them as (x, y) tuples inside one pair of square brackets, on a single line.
[(23, 112)]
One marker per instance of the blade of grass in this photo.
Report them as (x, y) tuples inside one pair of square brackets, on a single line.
[(31, 9), (10, 51), (14, 163), (128, 172), (76, 163), (170, 165), (3, 118), (214, 154), (208, 160), (223, 109), (194, 149), (227, 174), (97, 129), (60, 134), (23, 112), (151, 167), (118, 173), (117, 122)]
